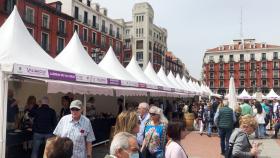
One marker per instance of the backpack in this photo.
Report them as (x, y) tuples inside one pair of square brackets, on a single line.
[(230, 147)]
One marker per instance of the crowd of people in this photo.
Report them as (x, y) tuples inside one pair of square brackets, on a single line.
[(150, 130)]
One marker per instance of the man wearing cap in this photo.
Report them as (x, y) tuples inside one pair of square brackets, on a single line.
[(78, 128)]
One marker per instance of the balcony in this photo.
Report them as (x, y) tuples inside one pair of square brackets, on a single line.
[(118, 36), (61, 33), (231, 60), (221, 59), (263, 58), (80, 18), (104, 29), (264, 67), (264, 76), (221, 77), (242, 76), (231, 68), (127, 47), (275, 75), (252, 59), (95, 26), (275, 58), (253, 75)]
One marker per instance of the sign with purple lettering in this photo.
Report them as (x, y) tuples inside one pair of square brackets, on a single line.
[(100, 80), (114, 82), (64, 76)]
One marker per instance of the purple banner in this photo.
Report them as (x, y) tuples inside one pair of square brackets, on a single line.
[(114, 82), (57, 75)]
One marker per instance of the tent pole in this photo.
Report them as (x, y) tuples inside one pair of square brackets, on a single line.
[(124, 102), (85, 104), (3, 112)]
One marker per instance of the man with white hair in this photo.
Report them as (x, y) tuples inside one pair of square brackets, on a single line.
[(225, 119), (124, 145), (144, 116), (43, 125)]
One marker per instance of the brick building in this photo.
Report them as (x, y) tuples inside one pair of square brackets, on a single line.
[(51, 28), (174, 64), (254, 66)]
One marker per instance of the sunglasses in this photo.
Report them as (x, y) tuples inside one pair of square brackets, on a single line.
[(153, 114), (75, 109)]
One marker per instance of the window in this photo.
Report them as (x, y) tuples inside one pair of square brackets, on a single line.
[(29, 15), (61, 26), (211, 58), (242, 83), (263, 56), (94, 21), (93, 37), (211, 75), (221, 66), (241, 57), (242, 74), (252, 56), (221, 57), (263, 65), (253, 83), (9, 5), (111, 30), (139, 56), (85, 34), (103, 26), (221, 75), (118, 32), (231, 66), (45, 41), (60, 44), (212, 67), (111, 42), (76, 28), (211, 84), (150, 45), (76, 13), (103, 42), (85, 17), (231, 74), (118, 46), (231, 58), (45, 21), (252, 74), (263, 82), (221, 84), (88, 3), (242, 66), (276, 65), (263, 74), (139, 44), (275, 73), (275, 55), (253, 66), (275, 83)]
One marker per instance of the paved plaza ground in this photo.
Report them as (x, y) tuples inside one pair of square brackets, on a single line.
[(209, 147)]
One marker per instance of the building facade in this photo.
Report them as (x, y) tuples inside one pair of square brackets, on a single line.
[(96, 30), (143, 39), (174, 64), (254, 66), (51, 28)]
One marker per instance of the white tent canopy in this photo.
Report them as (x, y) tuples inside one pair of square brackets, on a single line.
[(74, 57), (244, 95), (18, 46), (178, 79), (232, 97), (134, 69), (191, 83), (173, 80), (111, 65), (254, 96), (184, 80), (272, 95), (151, 74), (161, 74)]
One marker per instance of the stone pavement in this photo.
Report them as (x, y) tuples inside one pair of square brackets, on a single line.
[(203, 146)]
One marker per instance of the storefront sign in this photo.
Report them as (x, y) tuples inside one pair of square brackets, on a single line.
[(113, 82), (99, 80), (64, 76), (30, 71)]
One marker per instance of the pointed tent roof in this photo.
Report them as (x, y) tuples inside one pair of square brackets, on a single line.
[(173, 80), (191, 84), (134, 69), (184, 80), (151, 74), (74, 57), (244, 95), (161, 74), (272, 95), (19, 47), (111, 65), (178, 79)]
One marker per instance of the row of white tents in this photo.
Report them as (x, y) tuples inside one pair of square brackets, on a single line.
[(245, 95), (73, 70)]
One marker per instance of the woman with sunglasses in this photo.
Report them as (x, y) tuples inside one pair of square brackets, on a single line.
[(155, 134)]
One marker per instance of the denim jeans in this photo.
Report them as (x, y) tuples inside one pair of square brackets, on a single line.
[(261, 130), (277, 127), (209, 128), (38, 140), (224, 134)]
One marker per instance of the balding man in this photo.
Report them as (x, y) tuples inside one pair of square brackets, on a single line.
[(124, 145), (144, 116)]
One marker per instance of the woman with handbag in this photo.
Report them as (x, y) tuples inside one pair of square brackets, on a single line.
[(155, 134), (176, 131)]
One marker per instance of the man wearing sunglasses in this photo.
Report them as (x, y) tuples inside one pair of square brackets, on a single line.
[(78, 128)]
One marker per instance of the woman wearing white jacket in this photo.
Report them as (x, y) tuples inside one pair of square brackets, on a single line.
[(260, 116)]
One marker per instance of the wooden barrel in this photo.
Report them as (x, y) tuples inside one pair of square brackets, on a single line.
[(189, 118)]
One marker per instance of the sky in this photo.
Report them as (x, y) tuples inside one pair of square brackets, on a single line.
[(197, 25)]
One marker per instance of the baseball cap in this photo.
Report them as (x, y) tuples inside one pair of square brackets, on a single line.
[(76, 104)]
